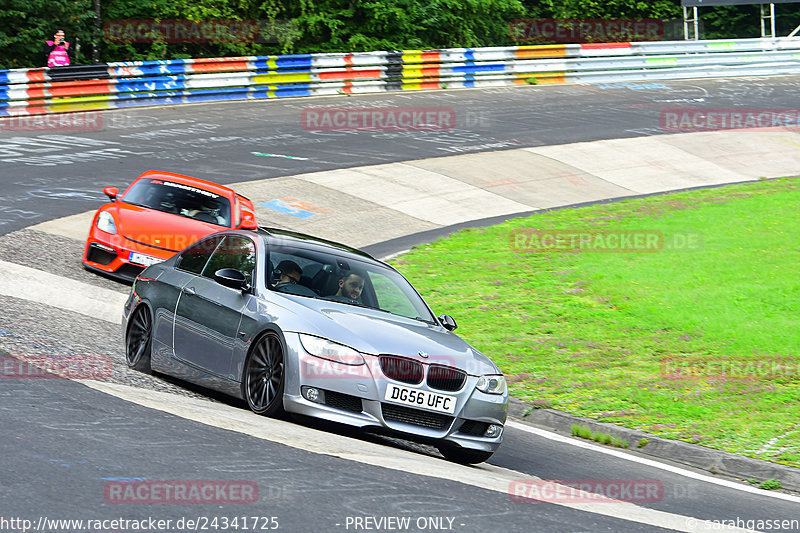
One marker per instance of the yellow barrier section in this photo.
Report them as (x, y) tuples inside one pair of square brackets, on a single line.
[(90, 104), (541, 51), (282, 77), (541, 77)]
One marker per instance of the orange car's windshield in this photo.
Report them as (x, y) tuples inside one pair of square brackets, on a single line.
[(180, 199)]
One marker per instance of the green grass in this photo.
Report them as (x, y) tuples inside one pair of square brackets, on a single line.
[(658, 341), (585, 432), (770, 484)]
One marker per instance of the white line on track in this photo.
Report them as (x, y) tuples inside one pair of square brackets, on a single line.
[(484, 476), (18, 281), (650, 462)]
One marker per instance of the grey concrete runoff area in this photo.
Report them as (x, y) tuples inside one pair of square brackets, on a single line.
[(384, 192)]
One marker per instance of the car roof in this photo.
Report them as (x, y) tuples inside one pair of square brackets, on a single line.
[(292, 238), (189, 180)]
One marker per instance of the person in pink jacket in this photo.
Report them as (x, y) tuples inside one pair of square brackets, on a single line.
[(57, 52)]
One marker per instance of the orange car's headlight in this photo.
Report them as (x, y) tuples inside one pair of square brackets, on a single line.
[(105, 222)]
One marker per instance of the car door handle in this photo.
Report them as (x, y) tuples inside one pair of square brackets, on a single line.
[(190, 291)]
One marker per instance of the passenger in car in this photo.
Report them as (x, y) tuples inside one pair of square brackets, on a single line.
[(350, 286)]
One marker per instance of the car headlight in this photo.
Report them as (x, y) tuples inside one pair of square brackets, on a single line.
[(333, 351), (492, 384), (105, 222)]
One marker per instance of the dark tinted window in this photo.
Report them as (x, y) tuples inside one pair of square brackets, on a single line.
[(179, 199), (196, 256), (234, 252)]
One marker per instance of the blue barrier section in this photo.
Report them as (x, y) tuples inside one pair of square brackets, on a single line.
[(282, 92), (155, 85), (148, 70), (481, 67)]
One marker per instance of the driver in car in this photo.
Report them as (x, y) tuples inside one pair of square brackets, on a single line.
[(207, 211), (289, 272)]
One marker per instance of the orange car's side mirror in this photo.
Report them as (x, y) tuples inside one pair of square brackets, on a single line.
[(248, 221), (111, 192)]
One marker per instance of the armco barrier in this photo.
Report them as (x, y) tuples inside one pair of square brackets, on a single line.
[(143, 83)]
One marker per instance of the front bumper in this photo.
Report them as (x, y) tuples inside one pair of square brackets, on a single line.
[(108, 255), (354, 395)]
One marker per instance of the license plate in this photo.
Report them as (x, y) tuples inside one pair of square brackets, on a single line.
[(141, 259), (421, 399)]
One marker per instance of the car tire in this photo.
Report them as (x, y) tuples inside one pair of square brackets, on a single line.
[(264, 376), (139, 341), (464, 456)]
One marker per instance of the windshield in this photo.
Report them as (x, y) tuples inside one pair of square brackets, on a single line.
[(326, 276), (180, 199)]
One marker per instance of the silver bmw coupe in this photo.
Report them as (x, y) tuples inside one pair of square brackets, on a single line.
[(290, 322)]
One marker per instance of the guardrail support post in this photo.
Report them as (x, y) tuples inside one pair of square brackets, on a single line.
[(771, 18), (694, 22)]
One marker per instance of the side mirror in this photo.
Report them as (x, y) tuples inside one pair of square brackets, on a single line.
[(248, 220), (448, 322), (111, 192), (232, 278)]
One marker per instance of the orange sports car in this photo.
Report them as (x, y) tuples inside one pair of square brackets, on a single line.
[(159, 215)]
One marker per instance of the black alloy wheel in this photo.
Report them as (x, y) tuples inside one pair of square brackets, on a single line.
[(264, 376), (139, 340)]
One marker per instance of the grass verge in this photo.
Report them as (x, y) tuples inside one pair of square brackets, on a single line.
[(585, 432), (692, 333)]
